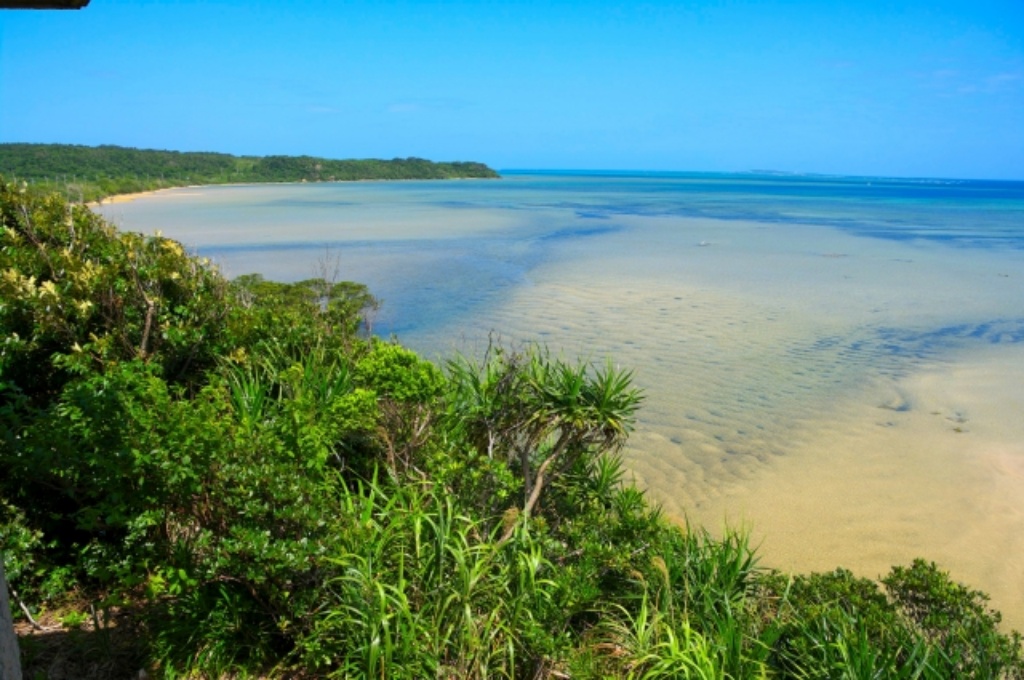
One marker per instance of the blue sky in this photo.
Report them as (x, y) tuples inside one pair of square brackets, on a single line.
[(904, 88)]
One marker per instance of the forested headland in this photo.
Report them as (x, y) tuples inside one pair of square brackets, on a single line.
[(214, 478), (91, 173)]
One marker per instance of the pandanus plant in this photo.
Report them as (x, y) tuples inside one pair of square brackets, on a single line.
[(543, 414)]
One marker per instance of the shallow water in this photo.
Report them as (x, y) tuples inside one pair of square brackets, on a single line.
[(837, 363)]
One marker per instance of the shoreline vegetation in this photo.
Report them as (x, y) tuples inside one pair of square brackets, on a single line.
[(213, 478), (90, 174)]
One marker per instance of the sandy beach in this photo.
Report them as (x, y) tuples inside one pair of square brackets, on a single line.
[(171, 192), (122, 198)]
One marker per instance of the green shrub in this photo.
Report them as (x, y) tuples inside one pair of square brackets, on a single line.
[(955, 619), (276, 495)]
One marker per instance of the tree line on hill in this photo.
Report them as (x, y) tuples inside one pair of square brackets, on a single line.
[(214, 478), (87, 174)]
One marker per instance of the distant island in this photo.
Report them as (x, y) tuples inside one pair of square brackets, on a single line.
[(91, 173)]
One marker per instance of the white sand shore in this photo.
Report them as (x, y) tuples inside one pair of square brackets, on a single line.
[(170, 192)]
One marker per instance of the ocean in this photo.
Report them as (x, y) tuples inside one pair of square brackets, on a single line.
[(835, 364)]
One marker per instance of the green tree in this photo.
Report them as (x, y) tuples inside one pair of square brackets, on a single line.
[(544, 416)]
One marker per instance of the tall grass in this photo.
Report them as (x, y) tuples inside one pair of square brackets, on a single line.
[(421, 591)]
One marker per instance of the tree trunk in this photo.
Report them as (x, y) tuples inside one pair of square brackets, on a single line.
[(10, 662)]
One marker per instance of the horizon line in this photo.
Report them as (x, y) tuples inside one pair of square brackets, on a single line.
[(780, 174)]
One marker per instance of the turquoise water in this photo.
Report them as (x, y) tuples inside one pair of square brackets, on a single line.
[(505, 229), (837, 361)]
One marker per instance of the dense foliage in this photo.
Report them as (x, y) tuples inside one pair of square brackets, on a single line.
[(269, 491), (86, 173)]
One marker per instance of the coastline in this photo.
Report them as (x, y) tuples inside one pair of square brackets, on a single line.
[(114, 199), (123, 198), (131, 196), (835, 438)]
